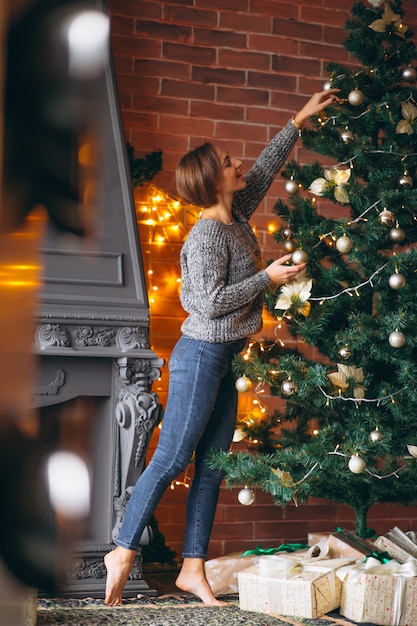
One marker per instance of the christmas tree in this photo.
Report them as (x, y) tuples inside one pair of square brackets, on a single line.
[(348, 428)]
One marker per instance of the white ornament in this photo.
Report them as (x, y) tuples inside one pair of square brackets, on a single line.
[(397, 281), (356, 97), (327, 85), (409, 73), (376, 435), (397, 234), (243, 384), (291, 186), (246, 496), (346, 136), (412, 450), (289, 387), (356, 464), (239, 435), (344, 244), (299, 256), (376, 3), (396, 339)]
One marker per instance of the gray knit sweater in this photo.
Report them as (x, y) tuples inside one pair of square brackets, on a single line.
[(223, 280)]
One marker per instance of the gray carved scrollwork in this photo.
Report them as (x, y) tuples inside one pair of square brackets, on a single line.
[(137, 412), (48, 335)]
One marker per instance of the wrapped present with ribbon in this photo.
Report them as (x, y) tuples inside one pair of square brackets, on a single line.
[(304, 589), (222, 572), (400, 545), (344, 543), (381, 593)]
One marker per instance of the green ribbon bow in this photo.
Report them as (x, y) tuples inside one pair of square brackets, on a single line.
[(285, 547)]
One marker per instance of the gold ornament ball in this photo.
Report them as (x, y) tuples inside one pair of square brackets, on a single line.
[(356, 97), (376, 435), (396, 339), (397, 281), (346, 136), (246, 496), (288, 387), (386, 217), (289, 246), (406, 180), (344, 244), (344, 352), (299, 256), (409, 73), (356, 464), (243, 384), (291, 186), (397, 235)]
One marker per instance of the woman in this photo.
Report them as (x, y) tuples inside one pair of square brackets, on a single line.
[(223, 283)]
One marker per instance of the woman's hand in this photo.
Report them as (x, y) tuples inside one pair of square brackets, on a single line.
[(280, 273), (317, 103)]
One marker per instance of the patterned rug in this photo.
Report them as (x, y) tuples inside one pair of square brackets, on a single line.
[(169, 610)]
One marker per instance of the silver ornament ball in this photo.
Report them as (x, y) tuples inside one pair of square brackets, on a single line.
[(356, 464), (344, 244), (397, 281), (246, 496), (287, 233), (397, 235), (406, 180), (288, 387), (376, 435), (356, 97), (344, 352), (409, 73), (243, 384), (291, 186), (299, 256), (327, 85), (396, 339), (346, 136)]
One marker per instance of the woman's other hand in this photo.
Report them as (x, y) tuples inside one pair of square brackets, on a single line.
[(317, 103), (280, 273)]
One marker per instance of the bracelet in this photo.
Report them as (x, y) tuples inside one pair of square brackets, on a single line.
[(296, 125)]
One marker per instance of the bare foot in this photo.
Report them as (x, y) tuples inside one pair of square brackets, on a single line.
[(192, 578), (118, 563)]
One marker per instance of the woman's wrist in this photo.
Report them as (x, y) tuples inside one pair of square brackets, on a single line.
[(296, 123)]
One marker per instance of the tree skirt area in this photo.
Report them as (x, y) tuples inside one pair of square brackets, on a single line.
[(169, 610)]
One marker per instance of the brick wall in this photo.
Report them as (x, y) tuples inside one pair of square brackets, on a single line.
[(233, 71)]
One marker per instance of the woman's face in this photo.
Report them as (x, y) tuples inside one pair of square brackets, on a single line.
[(231, 179)]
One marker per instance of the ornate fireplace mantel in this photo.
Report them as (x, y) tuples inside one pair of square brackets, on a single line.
[(95, 365)]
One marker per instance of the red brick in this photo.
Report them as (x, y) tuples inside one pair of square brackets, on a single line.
[(187, 89), (320, 15), (248, 131), (163, 32), (170, 69), (130, 8), (202, 127), (216, 111), (219, 38), (326, 53), (296, 65), (160, 104), (272, 43), (245, 22), (275, 9), (248, 96), (189, 15), (122, 25), (298, 30), (219, 76), (244, 59), (189, 54), (232, 5), (129, 83)]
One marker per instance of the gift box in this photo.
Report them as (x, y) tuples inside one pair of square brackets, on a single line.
[(383, 594), (300, 589), (399, 545), (222, 572), (344, 543)]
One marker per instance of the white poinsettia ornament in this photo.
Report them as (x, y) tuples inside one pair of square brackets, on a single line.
[(295, 295), (408, 124), (336, 179), (346, 373)]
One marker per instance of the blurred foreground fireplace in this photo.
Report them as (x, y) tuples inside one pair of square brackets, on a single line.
[(96, 369)]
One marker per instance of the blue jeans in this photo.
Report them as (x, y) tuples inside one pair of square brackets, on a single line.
[(200, 415)]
